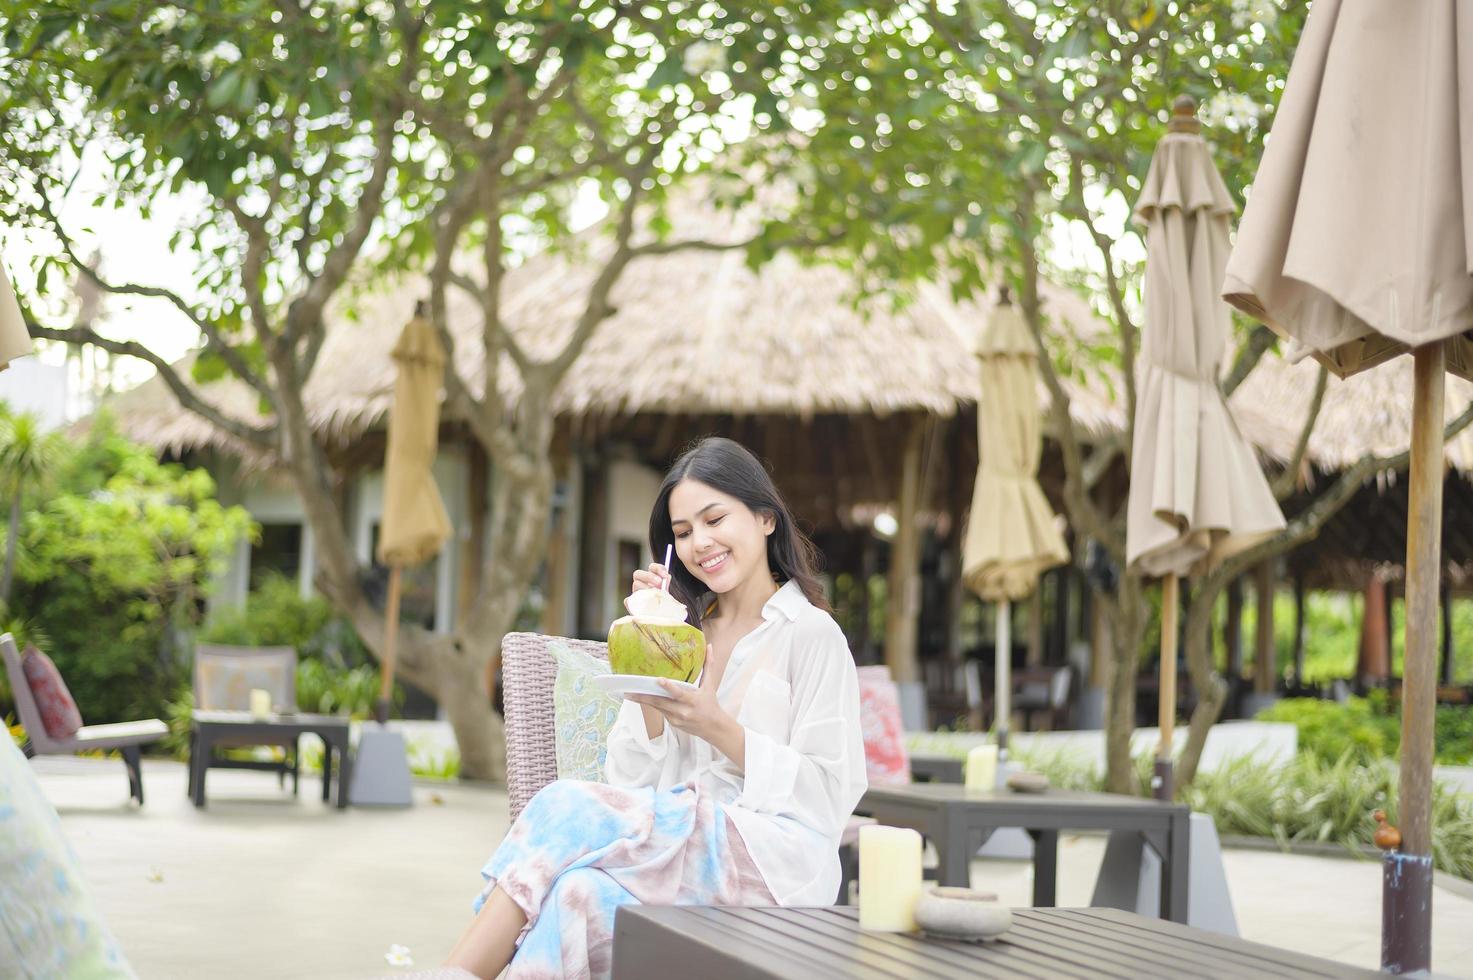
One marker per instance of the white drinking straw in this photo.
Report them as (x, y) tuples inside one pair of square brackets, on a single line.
[(665, 585)]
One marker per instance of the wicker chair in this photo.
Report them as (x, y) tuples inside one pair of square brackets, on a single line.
[(528, 670)]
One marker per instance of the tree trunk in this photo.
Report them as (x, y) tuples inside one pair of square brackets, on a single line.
[(1126, 611), (10, 545), (1211, 689), (480, 733)]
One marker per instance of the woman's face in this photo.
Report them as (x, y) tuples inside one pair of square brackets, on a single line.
[(717, 537)]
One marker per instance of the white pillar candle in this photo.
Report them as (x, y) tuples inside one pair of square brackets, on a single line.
[(981, 771), (889, 878), (260, 703)]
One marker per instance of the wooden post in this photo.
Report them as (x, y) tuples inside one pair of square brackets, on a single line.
[(474, 555), (1375, 652), (1100, 644), (1034, 656), (1161, 784), (391, 643), (1059, 632), (1265, 673), (1406, 911), (904, 592), (1232, 629), (868, 567), (955, 596), (592, 618), (1299, 630), (1449, 666)]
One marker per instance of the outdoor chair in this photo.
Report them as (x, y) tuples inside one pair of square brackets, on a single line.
[(528, 671), (1042, 691), (224, 677), (127, 737)]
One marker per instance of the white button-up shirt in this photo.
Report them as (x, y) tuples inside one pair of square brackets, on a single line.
[(791, 684)]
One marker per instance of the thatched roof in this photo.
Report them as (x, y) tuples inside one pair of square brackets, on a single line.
[(694, 332), (1370, 412), (697, 332)]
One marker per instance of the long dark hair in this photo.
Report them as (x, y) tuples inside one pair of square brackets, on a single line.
[(729, 467)]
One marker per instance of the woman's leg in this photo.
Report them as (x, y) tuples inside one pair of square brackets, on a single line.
[(488, 942), (573, 937)]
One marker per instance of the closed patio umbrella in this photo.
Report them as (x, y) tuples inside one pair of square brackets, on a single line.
[(1197, 493), (1011, 534), (14, 340), (1357, 245), (414, 524)]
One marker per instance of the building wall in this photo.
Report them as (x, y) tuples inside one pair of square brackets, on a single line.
[(632, 488), (273, 500)]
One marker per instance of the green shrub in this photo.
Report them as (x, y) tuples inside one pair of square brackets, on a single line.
[(1329, 730), (114, 558), (1369, 729), (276, 614)]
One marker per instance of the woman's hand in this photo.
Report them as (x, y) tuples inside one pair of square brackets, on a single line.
[(649, 578), (698, 712)]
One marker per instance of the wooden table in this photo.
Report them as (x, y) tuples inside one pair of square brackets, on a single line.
[(210, 727), (926, 767), (818, 944), (958, 821)]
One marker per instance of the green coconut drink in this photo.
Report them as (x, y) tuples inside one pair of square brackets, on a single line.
[(655, 640)]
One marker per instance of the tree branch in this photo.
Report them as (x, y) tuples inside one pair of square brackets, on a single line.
[(215, 339), (1076, 491), (1258, 343), (1126, 326), (305, 312), (1308, 522), (263, 437), (1289, 478)]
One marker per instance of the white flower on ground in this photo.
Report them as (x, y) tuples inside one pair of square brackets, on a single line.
[(704, 56), (399, 956)]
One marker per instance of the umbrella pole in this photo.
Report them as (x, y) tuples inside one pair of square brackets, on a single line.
[(391, 639), (1002, 682), (1406, 898), (1161, 783)]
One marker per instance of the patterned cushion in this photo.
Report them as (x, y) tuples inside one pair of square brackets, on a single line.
[(58, 711), (584, 714), (48, 924), (885, 759)]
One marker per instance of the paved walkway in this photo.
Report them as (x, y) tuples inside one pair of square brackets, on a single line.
[(261, 886)]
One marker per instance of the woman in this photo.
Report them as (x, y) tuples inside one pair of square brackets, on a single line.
[(733, 794)]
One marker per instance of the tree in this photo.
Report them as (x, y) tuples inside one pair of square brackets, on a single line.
[(993, 141), (27, 457), (325, 141), (117, 559)]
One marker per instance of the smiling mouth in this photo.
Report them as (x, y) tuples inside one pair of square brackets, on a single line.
[(712, 564)]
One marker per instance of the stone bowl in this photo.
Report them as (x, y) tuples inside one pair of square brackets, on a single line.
[(962, 913), (1027, 782)]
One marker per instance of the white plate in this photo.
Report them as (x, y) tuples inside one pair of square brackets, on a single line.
[(636, 684)]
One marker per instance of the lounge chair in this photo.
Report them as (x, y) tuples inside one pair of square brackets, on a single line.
[(128, 737)]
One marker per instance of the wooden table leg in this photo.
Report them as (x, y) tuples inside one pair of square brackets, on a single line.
[(1176, 870), (1045, 867), (953, 841), (199, 762), (345, 772), (326, 767)]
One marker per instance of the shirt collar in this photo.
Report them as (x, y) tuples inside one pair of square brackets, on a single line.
[(787, 601)]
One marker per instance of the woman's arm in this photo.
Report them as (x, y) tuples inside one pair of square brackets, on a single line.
[(817, 774)]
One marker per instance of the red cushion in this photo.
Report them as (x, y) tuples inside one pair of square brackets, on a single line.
[(58, 711), (885, 759)]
